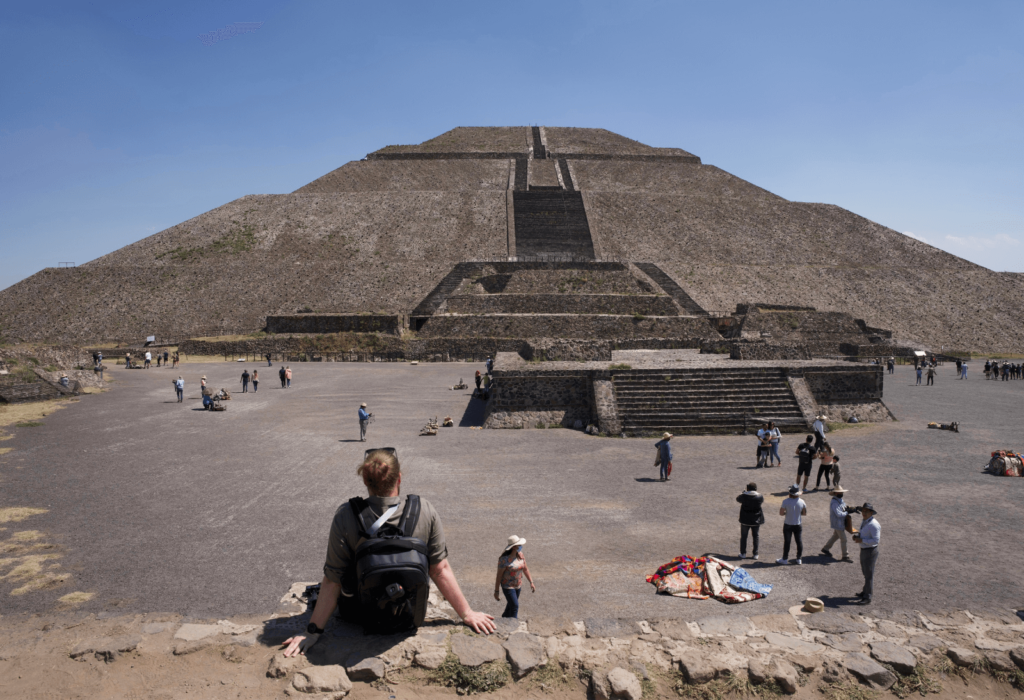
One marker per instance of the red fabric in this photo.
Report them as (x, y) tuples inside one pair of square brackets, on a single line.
[(668, 469)]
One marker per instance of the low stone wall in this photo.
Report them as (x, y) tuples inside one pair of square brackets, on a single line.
[(336, 323), (558, 326), (758, 350), (864, 411), (528, 402), (617, 304), (860, 383), (62, 356)]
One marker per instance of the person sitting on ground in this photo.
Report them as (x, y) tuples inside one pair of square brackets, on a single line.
[(751, 517), (511, 567), (381, 474)]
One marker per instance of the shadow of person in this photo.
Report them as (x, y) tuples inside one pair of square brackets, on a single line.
[(838, 601), (646, 479)]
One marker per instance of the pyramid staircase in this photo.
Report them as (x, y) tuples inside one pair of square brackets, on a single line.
[(702, 401), (552, 222)]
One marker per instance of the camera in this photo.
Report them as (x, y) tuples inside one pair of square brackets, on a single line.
[(855, 509)]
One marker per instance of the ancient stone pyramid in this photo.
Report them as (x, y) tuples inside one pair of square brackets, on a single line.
[(381, 234)]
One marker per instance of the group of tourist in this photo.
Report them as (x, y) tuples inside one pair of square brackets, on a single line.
[(147, 360), (1006, 371)]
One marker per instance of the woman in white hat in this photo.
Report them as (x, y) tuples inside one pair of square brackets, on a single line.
[(511, 567)]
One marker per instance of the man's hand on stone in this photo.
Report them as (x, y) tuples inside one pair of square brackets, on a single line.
[(479, 622), (299, 643)]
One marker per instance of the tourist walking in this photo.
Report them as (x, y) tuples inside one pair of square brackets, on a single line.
[(478, 379), (364, 421), (775, 436), (794, 509), (489, 364), (268, 360), (751, 518), (664, 459), (837, 515), (128, 360), (805, 453), (281, 373), (959, 367), (919, 372), (175, 359), (149, 358), (931, 376), (890, 364), (245, 381), (819, 428), (179, 388), (827, 456), (835, 472), (963, 371), (158, 359), (288, 377), (868, 538), (255, 380), (511, 569), (764, 446), (165, 358)]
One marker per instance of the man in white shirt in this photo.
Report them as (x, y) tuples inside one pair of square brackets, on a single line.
[(819, 430), (149, 358), (868, 538), (794, 509)]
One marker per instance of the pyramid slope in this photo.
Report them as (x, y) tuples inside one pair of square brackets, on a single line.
[(378, 235)]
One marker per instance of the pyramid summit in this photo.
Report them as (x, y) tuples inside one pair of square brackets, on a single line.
[(387, 235)]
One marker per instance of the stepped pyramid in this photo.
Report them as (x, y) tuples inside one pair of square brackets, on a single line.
[(383, 234)]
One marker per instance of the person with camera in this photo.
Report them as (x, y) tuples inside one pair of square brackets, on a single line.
[(751, 517), (805, 453), (868, 538), (379, 600), (794, 508), (364, 421), (841, 523)]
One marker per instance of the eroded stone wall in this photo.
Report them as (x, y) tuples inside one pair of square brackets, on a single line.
[(336, 323)]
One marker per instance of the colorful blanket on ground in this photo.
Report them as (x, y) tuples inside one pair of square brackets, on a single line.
[(706, 577)]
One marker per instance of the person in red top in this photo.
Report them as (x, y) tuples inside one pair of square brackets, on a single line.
[(511, 567)]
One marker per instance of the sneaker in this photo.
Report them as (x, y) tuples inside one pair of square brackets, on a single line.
[(847, 560), (798, 561), (755, 557), (742, 555), (826, 553), (781, 561)]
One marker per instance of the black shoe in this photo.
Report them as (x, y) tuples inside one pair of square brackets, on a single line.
[(860, 595), (864, 601), (826, 553)]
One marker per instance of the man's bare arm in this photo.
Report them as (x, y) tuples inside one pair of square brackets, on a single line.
[(444, 578), (325, 604)]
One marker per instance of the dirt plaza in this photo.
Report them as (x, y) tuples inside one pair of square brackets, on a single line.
[(150, 505)]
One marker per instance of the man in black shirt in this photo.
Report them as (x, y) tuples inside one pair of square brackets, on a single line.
[(805, 451)]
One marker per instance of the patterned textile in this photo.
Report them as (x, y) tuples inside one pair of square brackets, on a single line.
[(705, 577), (513, 576), (1005, 463)]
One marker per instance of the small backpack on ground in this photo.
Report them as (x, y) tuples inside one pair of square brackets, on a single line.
[(392, 569)]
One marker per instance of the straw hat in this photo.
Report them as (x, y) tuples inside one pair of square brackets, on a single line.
[(203, 377), (813, 605), (666, 436), (362, 405), (838, 489), (514, 541)]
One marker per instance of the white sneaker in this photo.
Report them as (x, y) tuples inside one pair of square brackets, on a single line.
[(798, 561), (781, 561), (755, 557), (743, 556)]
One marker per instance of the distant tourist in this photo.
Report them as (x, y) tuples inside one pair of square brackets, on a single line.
[(963, 371), (511, 569), (489, 364), (158, 359), (202, 383), (774, 437), (868, 538), (931, 377), (179, 389), (364, 421), (478, 379), (128, 360), (919, 372), (827, 455), (664, 447), (255, 380), (890, 364), (819, 428), (175, 359), (282, 374), (836, 474), (245, 381), (288, 377), (149, 358), (794, 509), (268, 360), (165, 358), (751, 518), (764, 446), (805, 453), (837, 515), (959, 367), (95, 359)]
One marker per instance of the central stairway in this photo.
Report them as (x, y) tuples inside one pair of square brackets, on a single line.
[(552, 222), (702, 401)]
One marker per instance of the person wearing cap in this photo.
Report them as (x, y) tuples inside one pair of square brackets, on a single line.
[(179, 389), (868, 538), (382, 476), (64, 381), (665, 455), (751, 517), (511, 568), (818, 426), (364, 421), (794, 509), (837, 515)]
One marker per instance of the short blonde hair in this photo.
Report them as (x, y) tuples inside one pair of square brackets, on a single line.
[(380, 471)]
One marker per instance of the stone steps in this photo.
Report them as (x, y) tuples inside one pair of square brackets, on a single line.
[(552, 222), (672, 288)]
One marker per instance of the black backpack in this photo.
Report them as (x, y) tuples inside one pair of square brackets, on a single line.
[(392, 570)]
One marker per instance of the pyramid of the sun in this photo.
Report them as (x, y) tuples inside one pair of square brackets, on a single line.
[(378, 235)]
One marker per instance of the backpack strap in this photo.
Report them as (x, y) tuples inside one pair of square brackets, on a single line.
[(410, 516), (364, 517)]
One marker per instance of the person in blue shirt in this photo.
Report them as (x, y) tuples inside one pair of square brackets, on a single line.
[(364, 421), (868, 538), (665, 455)]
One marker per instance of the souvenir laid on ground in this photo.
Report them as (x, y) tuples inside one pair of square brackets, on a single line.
[(954, 426), (460, 385), (707, 577), (448, 422), (1006, 463), (430, 428)]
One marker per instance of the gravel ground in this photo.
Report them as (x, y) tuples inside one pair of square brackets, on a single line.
[(160, 506)]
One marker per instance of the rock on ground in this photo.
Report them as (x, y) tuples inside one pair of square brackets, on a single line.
[(695, 668), (473, 651), (756, 671), (624, 684), (833, 623), (430, 659), (105, 648), (734, 625), (673, 629), (962, 657), (793, 643), (609, 627), (804, 662), (785, 624), (894, 655), (600, 686), (281, 667), (1017, 656), (870, 672), (1000, 661), (366, 670), (926, 642), (192, 633), (322, 679), (525, 653), (783, 673), (550, 626)]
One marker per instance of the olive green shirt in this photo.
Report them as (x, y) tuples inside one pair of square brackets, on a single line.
[(344, 537)]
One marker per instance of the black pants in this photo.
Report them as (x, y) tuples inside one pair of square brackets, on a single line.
[(931, 380), (795, 532), (868, 559), (826, 471), (753, 530), (282, 382), (818, 439)]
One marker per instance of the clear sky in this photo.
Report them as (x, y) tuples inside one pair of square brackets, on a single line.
[(120, 119)]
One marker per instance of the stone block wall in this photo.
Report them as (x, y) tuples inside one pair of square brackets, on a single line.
[(757, 350), (336, 323), (861, 384), (556, 326), (525, 402), (616, 304)]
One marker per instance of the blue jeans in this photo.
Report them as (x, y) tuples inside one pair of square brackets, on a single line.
[(180, 393), (775, 451), (245, 387), (512, 606), (665, 466)]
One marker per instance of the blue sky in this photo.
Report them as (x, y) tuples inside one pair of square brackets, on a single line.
[(118, 122)]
